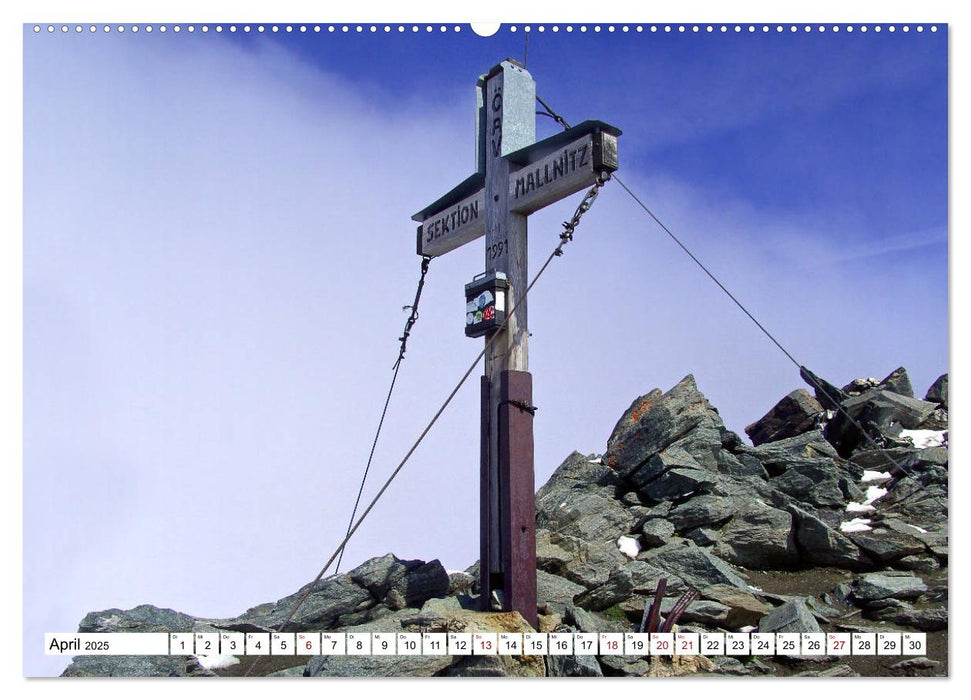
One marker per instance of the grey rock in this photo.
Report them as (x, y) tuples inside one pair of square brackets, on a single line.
[(460, 582), (585, 563), (837, 671), (616, 588), (332, 601), (828, 395), (796, 413), (703, 536), (744, 609), (731, 666), (586, 621), (877, 410), (822, 545), (903, 614), (678, 483), (938, 391), (813, 481), (376, 666), (888, 584), (555, 592), (144, 618), (656, 532), (918, 663), (740, 465), (671, 458), (633, 666), (573, 666), (898, 382), (758, 537), (700, 510), (646, 576), (886, 545), (134, 666), (292, 672), (695, 566), (922, 564), (580, 500), (794, 616), (776, 455), (656, 421)]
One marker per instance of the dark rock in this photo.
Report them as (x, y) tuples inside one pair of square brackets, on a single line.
[(678, 483), (837, 671), (923, 564), (695, 566), (886, 545), (898, 382), (918, 663), (821, 544), (586, 621), (793, 616), (730, 666), (703, 536), (656, 532), (828, 395), (758, 537), (646, 576), (414, 580), (144, 618), (888, 584), (740, 465), (793, 415), (656, 421), (573, 666), (616, 588), (744, 609), (331, 601), (904, 614), (584, 563), (701, 510), (673, 457), (813, 481), (624, 666), (879, 411), (460, 583), (776, 456), (579, 500), (292, 672), (135, 666), (938, 391), (555, 592)]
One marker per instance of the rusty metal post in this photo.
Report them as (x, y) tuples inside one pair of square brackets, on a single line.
[(516, 494)]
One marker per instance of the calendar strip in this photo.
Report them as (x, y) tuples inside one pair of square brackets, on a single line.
[(487, 643)]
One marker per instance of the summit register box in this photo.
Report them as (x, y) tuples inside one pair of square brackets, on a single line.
[(485, 303)]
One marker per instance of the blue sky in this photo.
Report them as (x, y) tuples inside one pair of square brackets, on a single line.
[(217, 247)]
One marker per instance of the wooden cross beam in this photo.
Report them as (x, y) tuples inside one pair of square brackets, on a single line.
[(515, 176)]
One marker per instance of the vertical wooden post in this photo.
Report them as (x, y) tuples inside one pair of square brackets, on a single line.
[(507, 122)]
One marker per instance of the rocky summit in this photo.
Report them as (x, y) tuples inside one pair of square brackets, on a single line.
[(833, 519)]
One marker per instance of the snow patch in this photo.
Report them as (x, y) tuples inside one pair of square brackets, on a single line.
[(874, 476), (854, 507), (629, 546), (598, 460), (217, 661), (755, 588), (925, 438), (874, 493), (856, 525)]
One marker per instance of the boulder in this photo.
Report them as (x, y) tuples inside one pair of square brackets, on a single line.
[(794, 616), (758, 537), (678, 483), (555, 592), (580, 500), (585, 563), (938, 391), (700, 510), (898, 382), (878, 411), (795, 414), (744, 609), (815, 481), (656, 532), (886, 545), (573, 666), (888, 584), (829, 396), (697, 567), (656, 421), (821, 545), (414, 580), (618, 586)]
